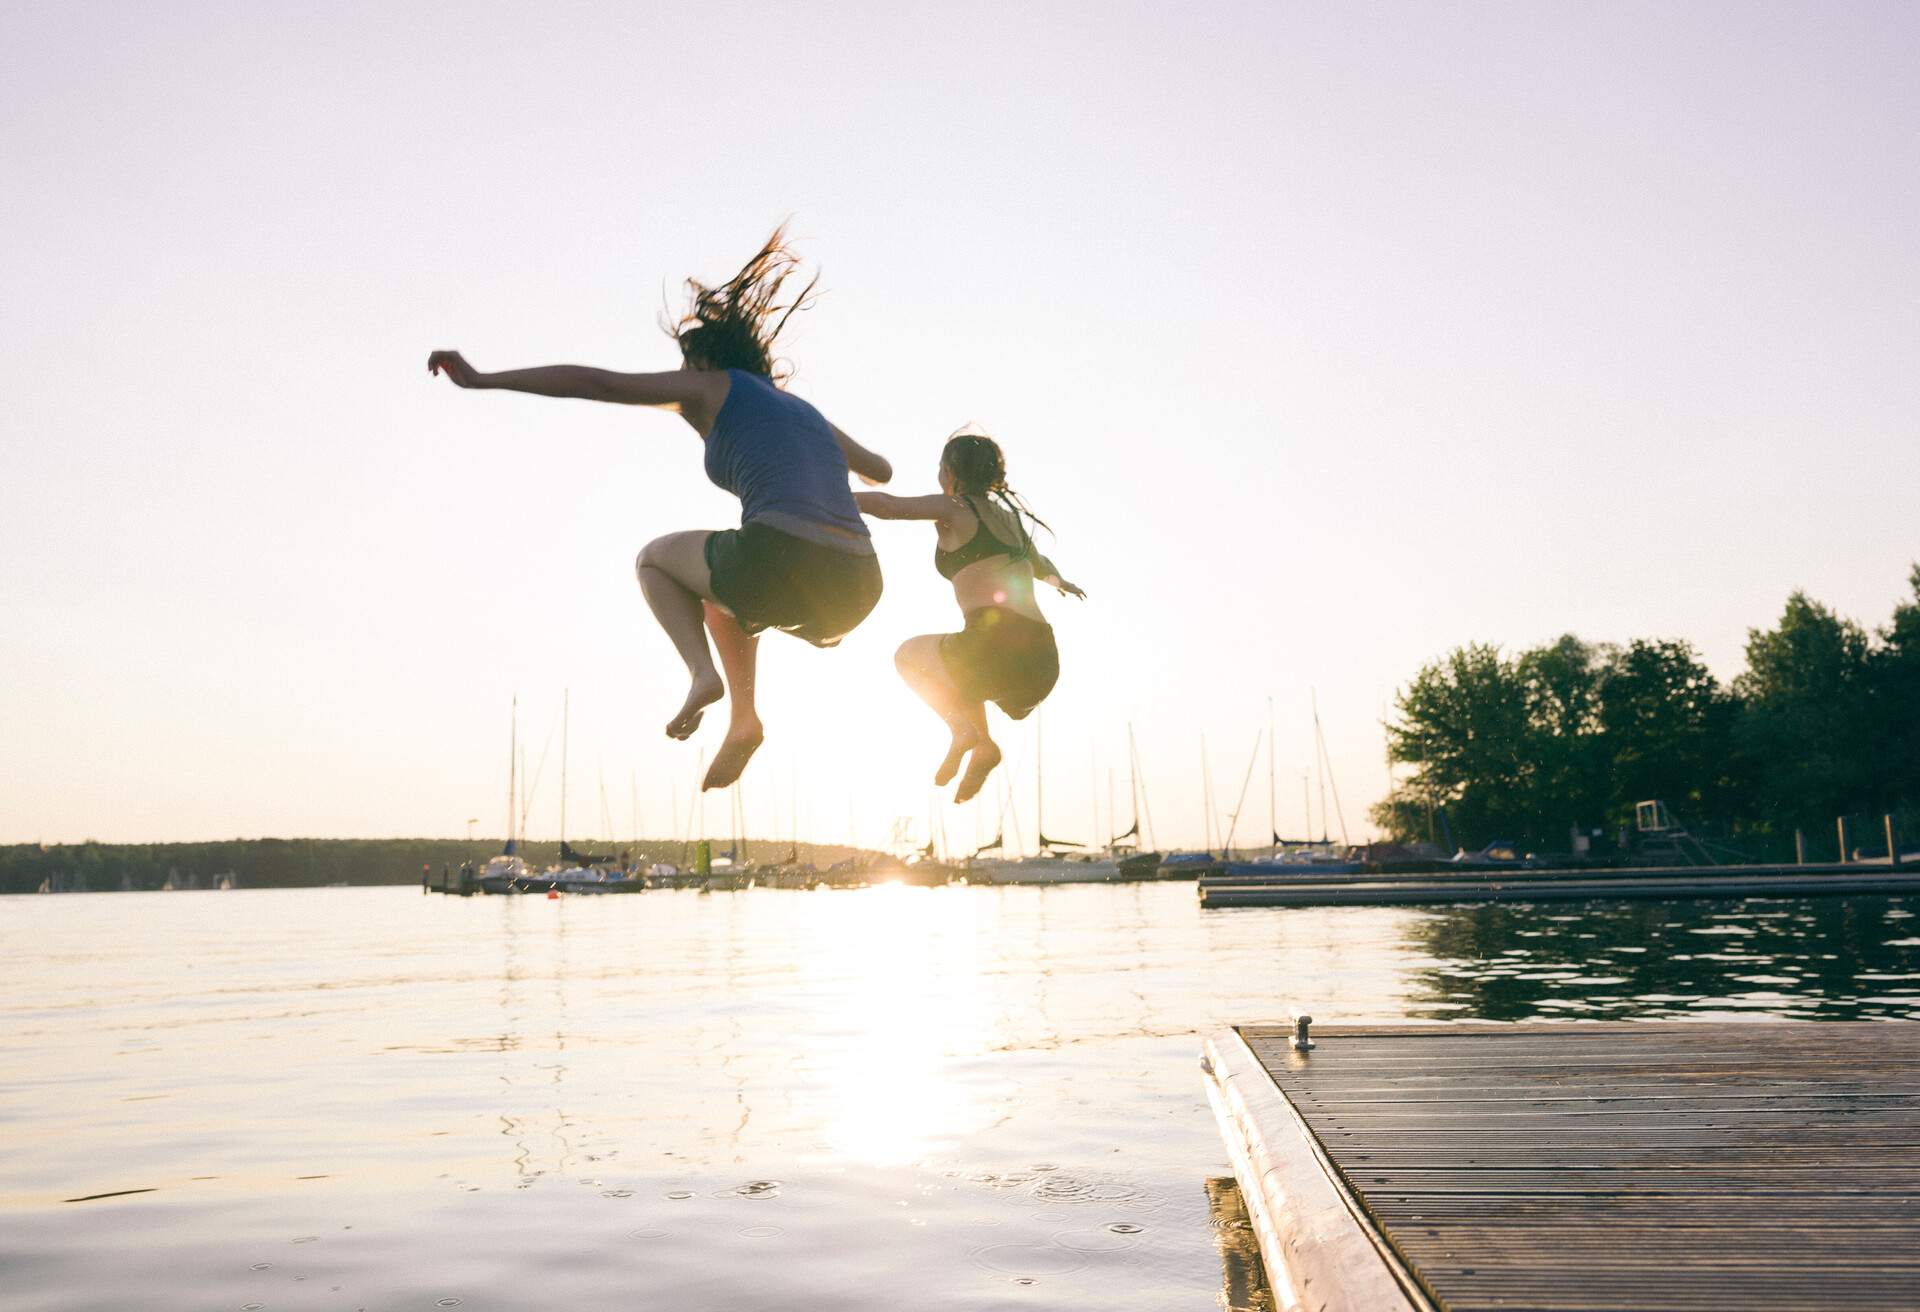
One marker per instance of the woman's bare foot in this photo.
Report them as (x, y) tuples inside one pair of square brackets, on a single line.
[(706, 690), (742, 741), (964, 741), (986, 755)]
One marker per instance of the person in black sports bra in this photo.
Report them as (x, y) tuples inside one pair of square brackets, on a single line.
[(1005, 654)]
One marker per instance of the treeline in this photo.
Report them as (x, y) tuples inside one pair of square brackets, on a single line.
[(1823, 722), (310, 862)]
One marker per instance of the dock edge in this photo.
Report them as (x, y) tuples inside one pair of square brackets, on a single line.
[(1320, 1251)]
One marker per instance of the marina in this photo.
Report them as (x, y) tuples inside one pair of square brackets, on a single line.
[(1441, 1168)]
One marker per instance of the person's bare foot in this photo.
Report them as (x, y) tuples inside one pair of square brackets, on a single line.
[(964, 741), (741, 742), (986, 755), (706, 690)]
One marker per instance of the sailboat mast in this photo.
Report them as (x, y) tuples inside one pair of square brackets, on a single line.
[(1273, 814), (566, 698), (1138, 787), (1093, 790), (606, 812), (1319, 764), (1206, 793), (513, 765), (1320, 741)]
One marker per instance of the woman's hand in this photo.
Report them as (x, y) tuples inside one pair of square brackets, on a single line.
[(1067, 589), (455, 367)]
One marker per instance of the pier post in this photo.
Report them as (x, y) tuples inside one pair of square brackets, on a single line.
[(1840, 825), (1799, 847), (1893, 845)]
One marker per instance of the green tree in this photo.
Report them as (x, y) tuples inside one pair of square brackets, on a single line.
[(1894, 676), (1566, 777), (1462, 722), (1804, 718), (1667, 726)]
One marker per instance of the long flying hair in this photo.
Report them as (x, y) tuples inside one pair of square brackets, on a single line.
[(734, 325), (979, 469)]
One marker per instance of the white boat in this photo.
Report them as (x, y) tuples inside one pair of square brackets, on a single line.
[(1056, 862), (500, 872), (1044, 868), (581, 879), (577, 872)]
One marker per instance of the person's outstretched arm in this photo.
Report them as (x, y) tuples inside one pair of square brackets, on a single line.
[(871, 466), (678, 388), (1048, 572), (884, 505)]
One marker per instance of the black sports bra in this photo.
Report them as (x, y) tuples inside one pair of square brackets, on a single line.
[(983, 545)]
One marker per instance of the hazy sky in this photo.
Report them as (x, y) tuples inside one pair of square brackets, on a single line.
[(1328, 337)]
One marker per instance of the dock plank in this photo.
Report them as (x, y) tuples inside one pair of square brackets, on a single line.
[(1609, 1167)]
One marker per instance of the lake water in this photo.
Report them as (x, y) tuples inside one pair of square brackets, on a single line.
[(930, 1098)]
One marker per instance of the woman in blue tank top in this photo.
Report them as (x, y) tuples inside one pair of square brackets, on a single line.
[(1005, 653), (801, 559)]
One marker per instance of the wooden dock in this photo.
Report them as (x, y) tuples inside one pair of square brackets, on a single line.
[(1579, 1167), (1303, 888)]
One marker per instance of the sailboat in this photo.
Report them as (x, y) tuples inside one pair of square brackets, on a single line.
[(1058, 861), (576, 871), (1127, 849), (1193, 865), (1301, 856), (501, 872)]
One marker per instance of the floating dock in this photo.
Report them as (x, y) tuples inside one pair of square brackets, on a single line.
[(1578, 1167), (1304, 888)]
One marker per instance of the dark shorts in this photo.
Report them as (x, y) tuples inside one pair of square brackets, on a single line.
[(772, 580), (1003, 657)]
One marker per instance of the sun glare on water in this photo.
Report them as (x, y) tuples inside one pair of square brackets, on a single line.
[(907, 962)]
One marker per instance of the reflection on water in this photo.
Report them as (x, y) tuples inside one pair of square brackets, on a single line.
[(1243, 1283), (1813, 959), (945, 1097)]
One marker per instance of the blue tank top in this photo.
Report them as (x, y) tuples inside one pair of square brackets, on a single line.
[(780, 457)]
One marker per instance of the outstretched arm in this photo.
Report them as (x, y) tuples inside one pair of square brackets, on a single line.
[(884, 505), (679, 388), (872, 467), (1048, 572)]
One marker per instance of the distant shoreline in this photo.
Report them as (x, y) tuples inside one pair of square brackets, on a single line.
[(318, 862)]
